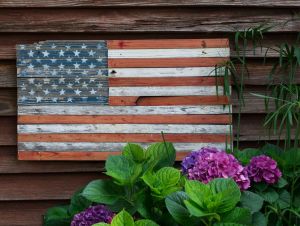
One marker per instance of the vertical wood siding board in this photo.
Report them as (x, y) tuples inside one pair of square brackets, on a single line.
[(166, 62), (163, 72), (119, 119), (121, 137), (167, 43), (122, 128), (115, 110), (85, 146)]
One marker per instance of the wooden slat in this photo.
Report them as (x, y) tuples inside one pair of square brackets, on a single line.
[(147, 3), (52, 186), (162, 62), (165, 81), (167, 101), (11, 165), (82, 156), (120, 137), (127, 119), (144, 20), (167, 44)]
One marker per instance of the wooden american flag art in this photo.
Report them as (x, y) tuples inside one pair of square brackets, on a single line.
[(84, 100)]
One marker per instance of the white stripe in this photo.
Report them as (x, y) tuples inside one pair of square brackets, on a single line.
[(123, 128), (121, 110), (168, 53), (164, 72), (165, 91), (85, 146)]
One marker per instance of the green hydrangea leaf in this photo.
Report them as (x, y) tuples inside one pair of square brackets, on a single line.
[(122, 219)]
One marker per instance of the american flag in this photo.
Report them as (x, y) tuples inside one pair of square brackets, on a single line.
[(84, 100)]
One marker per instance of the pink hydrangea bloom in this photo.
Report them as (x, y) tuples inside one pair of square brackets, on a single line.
[(209, 163), (263, 169)]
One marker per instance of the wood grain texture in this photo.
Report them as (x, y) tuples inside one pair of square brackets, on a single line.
[(144, 20), (39, 187), (125, 119), (147, 3), (167, 101)]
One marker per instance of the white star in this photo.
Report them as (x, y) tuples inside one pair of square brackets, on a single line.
[(38, 99), (38, 46), (23, 61), (84, 72), (46, 80), (53, 46), (54, 72), (61, 66), (61, 53), (70, 85), (62, 92), (32, 92), (83, 98), (46, 91), (76, 66), (92, 80), (69, 59), (38, 71), (61, 80), (46, 66), (99, 85), (99, 46), (77, 80), (31, 80), (84, 60), (83, 46), (22, 46), (84, 85), (77, 92), (92, 53), (54, 86), (76, 53), (68, 47), (39, 85), (69, 71), (93, 92), (23, 98), (70, 99), (30, 53), (53, 60), (38, 60), (30, 67), (54, 99), (23, 86), (100, 72), (45, 53), (91, 66), (99, 59)]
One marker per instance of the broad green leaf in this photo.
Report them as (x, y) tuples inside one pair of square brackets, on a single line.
[(228, 224), (251, 201), (269, 195), (122, 219), (145, 223), (176, 207), (194, 210), (238, 215), (161, 155), (101, 224), (291, 158), (228, 190), (123, 170), (197, 192), (258, 219), (134, 152), (168, 176), (284, 200), (245, 156), (78, 203), (57, 216), (102, 191), (281, 183)]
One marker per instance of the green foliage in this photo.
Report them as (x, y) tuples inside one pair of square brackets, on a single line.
[(125, 219), (215, 202), (63, 215)]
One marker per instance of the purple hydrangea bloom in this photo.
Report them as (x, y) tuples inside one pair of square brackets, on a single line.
[(263, 169), (93, 215), (209, 163)]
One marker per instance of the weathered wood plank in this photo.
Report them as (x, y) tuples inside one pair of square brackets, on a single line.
[(147, 3), (43, 187), (11, 165), (144, 20)]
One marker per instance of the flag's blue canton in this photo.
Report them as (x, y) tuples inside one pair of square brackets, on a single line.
[(55, 72)]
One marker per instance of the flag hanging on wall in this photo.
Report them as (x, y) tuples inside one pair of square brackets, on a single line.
[(84, 100)]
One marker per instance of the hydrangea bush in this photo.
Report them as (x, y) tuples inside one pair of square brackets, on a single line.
[(213, 188)]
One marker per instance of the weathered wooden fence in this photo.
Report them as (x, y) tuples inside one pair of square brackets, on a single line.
[(28, 188)]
